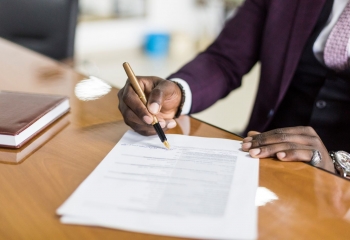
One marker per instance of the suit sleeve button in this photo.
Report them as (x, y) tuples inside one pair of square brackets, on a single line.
[(271, 113), (321, 104)]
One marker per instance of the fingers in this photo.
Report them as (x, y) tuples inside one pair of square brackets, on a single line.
[(167, 123), (252, 133), (304, 155), (136, 114), (300, 130), (171, 123), (132, 120), (139, 126), (300, 135), (263, 140), (288, 144), (284, 152), (130, 100)]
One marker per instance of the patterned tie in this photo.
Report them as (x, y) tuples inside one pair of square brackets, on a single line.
[(335, 52)]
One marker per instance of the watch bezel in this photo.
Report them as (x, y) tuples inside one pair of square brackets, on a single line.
[(340, 156)]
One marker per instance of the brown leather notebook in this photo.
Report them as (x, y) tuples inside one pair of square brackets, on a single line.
[(23, 115)]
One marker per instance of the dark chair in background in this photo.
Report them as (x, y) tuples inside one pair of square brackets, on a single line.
[(45, 26)]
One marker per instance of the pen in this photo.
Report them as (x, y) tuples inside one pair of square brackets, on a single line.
[(137, 88)]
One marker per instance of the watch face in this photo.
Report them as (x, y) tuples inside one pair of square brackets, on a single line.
[(343, 158)]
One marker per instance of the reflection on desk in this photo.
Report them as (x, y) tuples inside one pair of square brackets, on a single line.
[(16, 156)]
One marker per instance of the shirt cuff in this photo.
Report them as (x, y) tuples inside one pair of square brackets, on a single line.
[(188, 100)]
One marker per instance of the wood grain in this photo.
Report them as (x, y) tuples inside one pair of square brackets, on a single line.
[(310, 204)]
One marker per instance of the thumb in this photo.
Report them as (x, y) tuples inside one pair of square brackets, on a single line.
[(165, 97)]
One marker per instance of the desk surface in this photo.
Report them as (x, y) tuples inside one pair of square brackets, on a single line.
[(37, 179)]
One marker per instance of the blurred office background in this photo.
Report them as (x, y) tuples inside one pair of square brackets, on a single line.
[(155, 36), (110, 32)]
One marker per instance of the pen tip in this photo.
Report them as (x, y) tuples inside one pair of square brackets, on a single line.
[(166, 144)]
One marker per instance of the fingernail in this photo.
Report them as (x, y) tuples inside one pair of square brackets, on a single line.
[(247, 139), (171, 124), (246, 145), (254, 152), (147, 119), (154, 108), (281, 155), (162, 124)]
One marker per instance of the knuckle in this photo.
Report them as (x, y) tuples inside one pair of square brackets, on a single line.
[(268, 149), (140, 128), (283, 137), (292, 146), (125, 97), (278, 131), (312, 131), (142, 132), (120, 93), (129, 123), (260, 139), (140, 111), (157, 93), (128, 115), (307, 129), (122, 108), (293, 153), (145, 132), (315, 140)]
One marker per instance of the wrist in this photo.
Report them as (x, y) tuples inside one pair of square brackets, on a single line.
[(186, 109), (182, 100)]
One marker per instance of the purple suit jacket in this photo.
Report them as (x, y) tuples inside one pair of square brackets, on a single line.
[(273, 32)]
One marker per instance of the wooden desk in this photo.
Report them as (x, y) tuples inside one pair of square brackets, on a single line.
[(311, 204)]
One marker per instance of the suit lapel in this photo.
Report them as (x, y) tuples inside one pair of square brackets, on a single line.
[(307, 15)]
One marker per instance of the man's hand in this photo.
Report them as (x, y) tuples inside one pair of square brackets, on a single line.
[(288, 144), (163, 98)]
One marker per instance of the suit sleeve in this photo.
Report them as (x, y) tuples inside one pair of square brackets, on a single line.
[(218, 70)]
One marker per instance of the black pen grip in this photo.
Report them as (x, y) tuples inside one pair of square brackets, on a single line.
[(159, 131)]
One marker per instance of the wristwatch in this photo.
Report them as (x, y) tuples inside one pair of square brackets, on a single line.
[(341, 161)]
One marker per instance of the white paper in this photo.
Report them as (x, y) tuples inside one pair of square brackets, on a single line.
[(200, 188)]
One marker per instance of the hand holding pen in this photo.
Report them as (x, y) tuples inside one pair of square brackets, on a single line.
[(164, 98)]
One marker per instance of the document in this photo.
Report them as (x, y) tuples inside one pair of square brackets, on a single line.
[(201, 188)]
